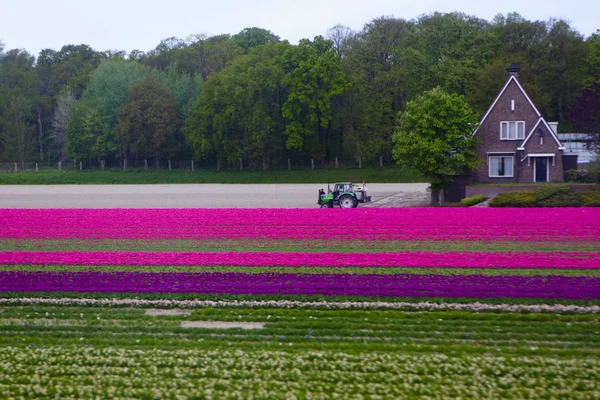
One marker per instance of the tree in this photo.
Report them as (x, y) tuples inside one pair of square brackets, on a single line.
[(147, 119), (84, 135), (106, 91), (60, 120), (435, 137), (313, 80), (249, 38), (18, 132), (591, 68), (585, 114), (238, 115)]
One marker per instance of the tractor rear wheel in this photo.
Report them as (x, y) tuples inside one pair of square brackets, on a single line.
[(347, 201)]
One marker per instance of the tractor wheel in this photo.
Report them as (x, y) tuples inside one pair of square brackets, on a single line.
[(347, 201), (324, 205)]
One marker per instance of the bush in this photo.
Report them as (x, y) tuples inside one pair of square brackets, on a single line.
[(547, 191), (523, 198), (471, 201), (590, 198), (568, 199), (578, 175)]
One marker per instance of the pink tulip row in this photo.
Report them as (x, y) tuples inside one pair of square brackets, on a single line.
[(518, 225), (587, 260)]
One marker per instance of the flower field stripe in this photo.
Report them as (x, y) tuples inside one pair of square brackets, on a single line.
[(304, 270), (519, 225), (583, 260), (425, 305), (475, 286)]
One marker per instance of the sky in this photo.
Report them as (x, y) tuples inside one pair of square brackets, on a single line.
[(34, 25)]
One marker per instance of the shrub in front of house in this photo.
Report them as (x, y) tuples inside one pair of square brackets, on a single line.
[(471, 201), (568, 199), (578, 175), (522, 198), (547, 196), (548, 191), (590, 198)]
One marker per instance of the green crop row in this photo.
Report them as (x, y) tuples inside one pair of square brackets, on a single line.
[(239, 245), (274, 374), (81, 352)]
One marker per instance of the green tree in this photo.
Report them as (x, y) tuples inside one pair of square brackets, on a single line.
[(435, 137), (250, 38), (107, 90), (84, 137), (238, 115), (313, 80), (591, 66), (147, 120)]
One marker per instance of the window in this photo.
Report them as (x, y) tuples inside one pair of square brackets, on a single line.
[(512, 130), (501, 166)]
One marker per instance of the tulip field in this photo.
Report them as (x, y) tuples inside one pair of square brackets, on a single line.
[(361, 303)]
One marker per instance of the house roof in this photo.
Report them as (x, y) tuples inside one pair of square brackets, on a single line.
[(510, 79), (543, 122)]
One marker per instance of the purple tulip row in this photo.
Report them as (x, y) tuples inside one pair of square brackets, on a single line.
[(483, 224), (587, 260), (474, 286)]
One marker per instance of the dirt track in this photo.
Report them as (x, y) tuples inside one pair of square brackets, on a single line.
[(198, 196)]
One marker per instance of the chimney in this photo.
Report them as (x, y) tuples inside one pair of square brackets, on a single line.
[(513, 70), (553, 126)]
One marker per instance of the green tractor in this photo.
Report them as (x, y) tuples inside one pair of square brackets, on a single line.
[(344, 195)]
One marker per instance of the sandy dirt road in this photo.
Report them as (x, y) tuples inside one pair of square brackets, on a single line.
[(197, 196)]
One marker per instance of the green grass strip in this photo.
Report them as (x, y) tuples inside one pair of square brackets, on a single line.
[(309, 270), (319, 176), (285, 245)]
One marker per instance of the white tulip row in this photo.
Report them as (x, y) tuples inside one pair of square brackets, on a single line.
[(475, 306)]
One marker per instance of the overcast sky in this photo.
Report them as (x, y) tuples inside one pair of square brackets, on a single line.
[(141, 24)]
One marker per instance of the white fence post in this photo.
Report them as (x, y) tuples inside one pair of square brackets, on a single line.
[(145, 164), (336, 163), (241, 164), (60, 166), (312, 163), (36, 167), (169, 165), (192, 165), (15, 167), (102, 164), (81, 165), (289, 165)]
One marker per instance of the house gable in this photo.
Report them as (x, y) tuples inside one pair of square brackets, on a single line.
[(511, 80), (547, 130)]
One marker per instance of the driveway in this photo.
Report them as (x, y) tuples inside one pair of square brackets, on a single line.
[(198, 196)]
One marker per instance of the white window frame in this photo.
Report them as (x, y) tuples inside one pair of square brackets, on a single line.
[(494, 175), (517, 123)]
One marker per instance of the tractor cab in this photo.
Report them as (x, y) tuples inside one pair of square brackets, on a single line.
[(344, 195)]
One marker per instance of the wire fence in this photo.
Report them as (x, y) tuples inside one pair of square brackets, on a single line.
[(190, 165)]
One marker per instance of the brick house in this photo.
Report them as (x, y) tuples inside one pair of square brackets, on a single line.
[(516, 144)]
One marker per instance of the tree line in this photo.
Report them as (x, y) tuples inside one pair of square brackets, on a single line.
[(254, 99)]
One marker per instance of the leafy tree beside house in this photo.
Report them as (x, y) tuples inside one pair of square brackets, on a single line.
[(434, 136)]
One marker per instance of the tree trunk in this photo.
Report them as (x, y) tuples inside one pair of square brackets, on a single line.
[(40, 133), (435, 197)]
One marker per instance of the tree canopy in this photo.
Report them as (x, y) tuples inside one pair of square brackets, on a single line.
[(435, 137), (255, 97)]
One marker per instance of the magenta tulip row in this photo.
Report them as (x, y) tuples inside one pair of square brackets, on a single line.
[(474, 286), (587, 260), (482, 224)]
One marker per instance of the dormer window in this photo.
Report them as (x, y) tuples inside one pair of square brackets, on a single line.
[(512, 130)]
